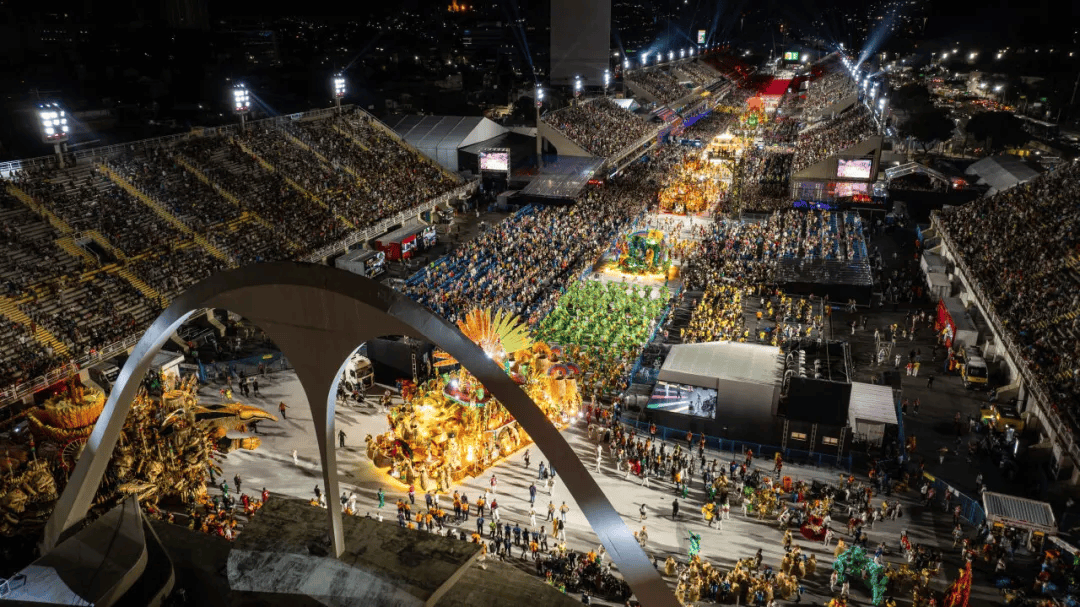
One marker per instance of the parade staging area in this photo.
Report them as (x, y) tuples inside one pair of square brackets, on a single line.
[(728, 365)]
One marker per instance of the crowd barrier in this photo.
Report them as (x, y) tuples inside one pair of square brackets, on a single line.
[(970, 509), (271, 361), (738, 449)]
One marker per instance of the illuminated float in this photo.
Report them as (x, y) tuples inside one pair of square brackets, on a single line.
[(164, 452), (450, 427)]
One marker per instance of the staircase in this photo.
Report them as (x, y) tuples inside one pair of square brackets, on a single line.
[(68, 244), (296, 186), (165, 214), (147, 291), (214, 322), (355, 141), (44, 337), (104, 243), (227, 195), (40, 209), (296, 140)]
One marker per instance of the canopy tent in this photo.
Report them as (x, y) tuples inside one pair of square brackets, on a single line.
[(1001, 172), (871, 408), (440, 137), (1019, 512), (564, 177)]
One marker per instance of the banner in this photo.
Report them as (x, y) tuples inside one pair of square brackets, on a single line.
[(701, 36)]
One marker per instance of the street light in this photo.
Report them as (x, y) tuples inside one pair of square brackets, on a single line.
[(241, 102), (339, 89), (54, 127)]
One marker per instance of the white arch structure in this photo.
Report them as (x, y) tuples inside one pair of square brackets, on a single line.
[(317, 316)]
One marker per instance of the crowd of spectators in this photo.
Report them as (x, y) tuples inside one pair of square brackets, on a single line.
[(599, 126), (1022, 247), (659, 84), (268, 194), (88, 200), (828, 89), (30, 257), (522, 264), (383, 176), (171, 272), (818, 143), (701, 74), (85, 315), (23, 356), (749, 250)]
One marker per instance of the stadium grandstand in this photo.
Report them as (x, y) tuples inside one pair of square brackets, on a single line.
[(98, 249)]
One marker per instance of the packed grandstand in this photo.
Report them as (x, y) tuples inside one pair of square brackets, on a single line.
[(157, 217)]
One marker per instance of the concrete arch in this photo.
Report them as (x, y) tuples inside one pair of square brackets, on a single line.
[(317, 315)]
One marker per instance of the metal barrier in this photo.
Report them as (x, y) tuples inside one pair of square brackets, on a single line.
[(970, 509), (19, 391), (738, 449), (274, 361)]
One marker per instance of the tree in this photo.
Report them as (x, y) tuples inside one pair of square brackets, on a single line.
[(929, 127), (999, 130), (912, 98)]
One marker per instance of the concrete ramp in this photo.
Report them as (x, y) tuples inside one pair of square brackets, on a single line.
[(284, 551)]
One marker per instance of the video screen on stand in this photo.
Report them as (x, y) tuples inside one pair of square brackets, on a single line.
[(683, 399)]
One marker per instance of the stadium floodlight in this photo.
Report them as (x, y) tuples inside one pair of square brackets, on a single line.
[(241, 102), (692, 51), (997, 88), (54, 123), (671, 55), (539, 96), (539, 139), (607, 79), (682, 53), (626, 64), (577, 86), (338, 82)]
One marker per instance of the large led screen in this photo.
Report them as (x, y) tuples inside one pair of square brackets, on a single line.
[(684, 399), (854, 169)]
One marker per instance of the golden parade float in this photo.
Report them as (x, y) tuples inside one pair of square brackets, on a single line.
[(695, 185), (166, 448), (451, 428)]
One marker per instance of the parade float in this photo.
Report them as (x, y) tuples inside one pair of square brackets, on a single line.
[(644, 253), (754, 114), (450, 427), (695, 185), (164, 451)]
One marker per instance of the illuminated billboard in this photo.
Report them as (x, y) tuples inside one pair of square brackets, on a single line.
[(701, 36), (858, 168), (495, 160), (791, 56)]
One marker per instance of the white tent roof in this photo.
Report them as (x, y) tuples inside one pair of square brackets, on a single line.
[(871, 403), (1019, 512), (1001, 172), (440, 137), (726, 360)]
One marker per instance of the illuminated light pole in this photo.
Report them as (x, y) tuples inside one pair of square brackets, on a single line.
[(241, 103), (339, 89), (577, 86), (54, 128), (626, 64), (671, 55), (539, 141), (682, 53), (607, 80)]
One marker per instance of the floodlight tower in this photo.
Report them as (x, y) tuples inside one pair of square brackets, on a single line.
[(577, 86), (607, 81), (54, 128), (241, 102), (539, 141), (338, 82)]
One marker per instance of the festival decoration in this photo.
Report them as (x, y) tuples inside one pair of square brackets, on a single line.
[(450, 427), (165, 449), (960, 591), (695, 185), (644, 252), (695, 544), (854, 563)]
